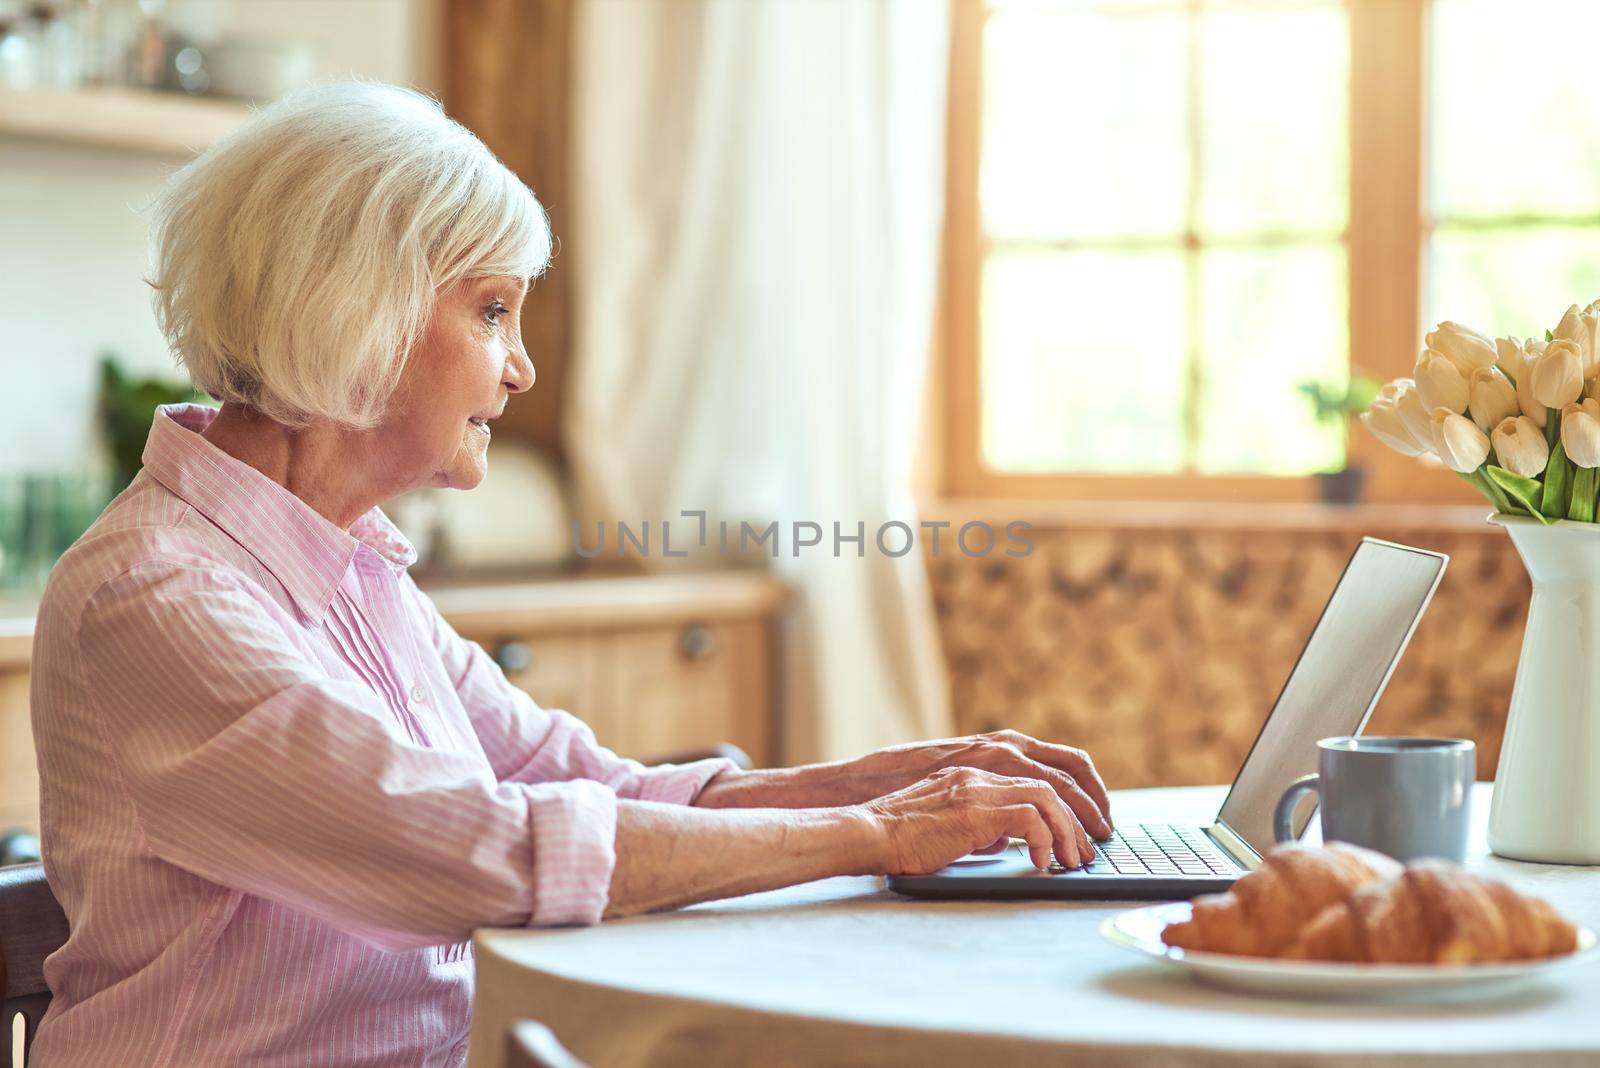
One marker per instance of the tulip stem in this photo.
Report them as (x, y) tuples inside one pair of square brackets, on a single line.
[(1485, 485)]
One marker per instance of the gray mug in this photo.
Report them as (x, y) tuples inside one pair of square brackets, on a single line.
[(1407, 797)]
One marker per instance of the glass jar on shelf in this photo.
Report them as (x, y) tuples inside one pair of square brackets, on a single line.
[(147, 50), (18, 67), (58, 57)]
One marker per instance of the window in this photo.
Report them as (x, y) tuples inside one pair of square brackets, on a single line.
[(1514, 226), (1165, 215)]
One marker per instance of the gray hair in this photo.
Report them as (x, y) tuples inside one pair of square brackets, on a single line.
[(297, 261)]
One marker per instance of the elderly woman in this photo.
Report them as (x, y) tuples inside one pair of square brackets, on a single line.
[(279, 792)]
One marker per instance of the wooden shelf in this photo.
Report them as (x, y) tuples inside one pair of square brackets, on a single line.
[(165, 124)]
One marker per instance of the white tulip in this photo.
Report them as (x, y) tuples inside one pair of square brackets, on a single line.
[(1514, 353), (1465, 347), (1458, 441), (1415, 415), (1492, 398), (1441, 383), (1557, 376), (1582, 328), (1519, 446), (1525, 400), (1508, 356), (1580, 433), (1387, 425)]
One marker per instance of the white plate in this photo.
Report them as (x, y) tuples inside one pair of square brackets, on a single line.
[(1140, 931)]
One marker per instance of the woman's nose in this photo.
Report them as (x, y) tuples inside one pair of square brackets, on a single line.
[(519, 374)]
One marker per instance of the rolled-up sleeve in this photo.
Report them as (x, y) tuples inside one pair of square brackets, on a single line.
[(245, 764), (527, 744)]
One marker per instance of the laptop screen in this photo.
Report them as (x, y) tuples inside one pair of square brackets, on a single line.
[(1337, 680)]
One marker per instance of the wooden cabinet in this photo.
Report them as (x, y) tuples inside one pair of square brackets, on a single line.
[(654, 664), (19, 774)]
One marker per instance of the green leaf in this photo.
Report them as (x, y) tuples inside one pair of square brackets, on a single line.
[(1583, 490), (1549, 335), (1524, 491), (1557, 484), (1552, 428)]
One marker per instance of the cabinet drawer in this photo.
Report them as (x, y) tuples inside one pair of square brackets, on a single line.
[(652, 690), (690, 686), (556, 671)]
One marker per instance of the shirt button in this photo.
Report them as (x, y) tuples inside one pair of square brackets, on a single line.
[(419, 695)]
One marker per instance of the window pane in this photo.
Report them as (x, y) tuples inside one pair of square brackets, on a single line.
[(1083, 362), (1514, 281), (1083, 124), (1272, 318), (1274, 117), (1516, 107)]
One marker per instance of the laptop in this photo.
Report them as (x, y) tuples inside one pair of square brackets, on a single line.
[(1332, 690)]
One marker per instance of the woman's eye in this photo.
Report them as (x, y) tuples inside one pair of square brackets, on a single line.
[(494, 311)]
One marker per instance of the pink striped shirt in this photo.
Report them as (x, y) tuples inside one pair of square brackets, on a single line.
[(278, 791)]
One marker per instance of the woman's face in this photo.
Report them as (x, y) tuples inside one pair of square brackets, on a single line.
[(459, 377)]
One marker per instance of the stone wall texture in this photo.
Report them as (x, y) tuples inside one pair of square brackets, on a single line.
[(1161, 651)]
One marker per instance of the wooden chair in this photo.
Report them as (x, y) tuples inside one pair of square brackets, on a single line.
[(32, 926), (533, 1045)]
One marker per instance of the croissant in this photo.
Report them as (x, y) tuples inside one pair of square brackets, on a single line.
[(1435, 913), (1265, 910)]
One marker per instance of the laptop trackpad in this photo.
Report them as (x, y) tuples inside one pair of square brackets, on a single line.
[(973, 860), (1011, 861)]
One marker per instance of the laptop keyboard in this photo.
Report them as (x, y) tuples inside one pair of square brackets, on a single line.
[(1156, 849)]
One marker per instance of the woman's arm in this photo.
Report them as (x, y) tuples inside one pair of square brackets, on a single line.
[(669, 855)]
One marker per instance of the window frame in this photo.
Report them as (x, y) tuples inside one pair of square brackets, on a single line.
[(1385, 241)]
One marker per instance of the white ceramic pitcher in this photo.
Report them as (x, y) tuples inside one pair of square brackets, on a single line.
[(1547, 788)]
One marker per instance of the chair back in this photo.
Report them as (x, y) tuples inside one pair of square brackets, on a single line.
[(533, 1045), (32, 926)]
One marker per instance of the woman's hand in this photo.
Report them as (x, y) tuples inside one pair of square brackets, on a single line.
[(1069, 772), (960, 810)]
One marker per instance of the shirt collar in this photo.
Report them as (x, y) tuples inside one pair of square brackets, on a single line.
[(300, 547)]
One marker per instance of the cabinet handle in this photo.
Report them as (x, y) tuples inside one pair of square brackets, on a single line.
[(697, 643), (513, 656)]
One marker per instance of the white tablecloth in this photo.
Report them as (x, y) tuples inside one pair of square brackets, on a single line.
[(843, 972)]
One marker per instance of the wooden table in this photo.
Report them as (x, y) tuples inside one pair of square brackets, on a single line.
[(842, 971)]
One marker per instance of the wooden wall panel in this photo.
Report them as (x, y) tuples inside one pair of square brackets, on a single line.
[(506, 79), (19, 773), (1161, 651)]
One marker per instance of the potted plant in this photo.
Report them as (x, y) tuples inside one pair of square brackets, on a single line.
[(126, 406), (1333, 403)]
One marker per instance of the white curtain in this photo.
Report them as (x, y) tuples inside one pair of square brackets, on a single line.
[(757, 200)]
